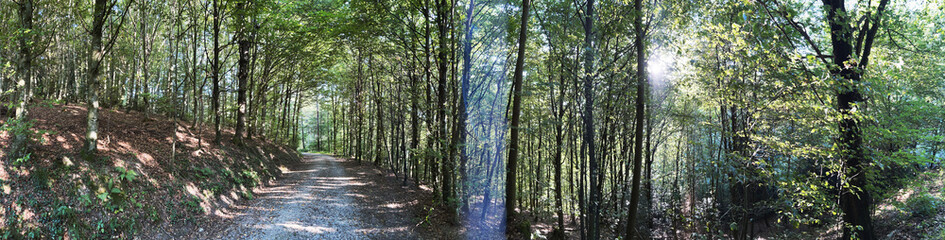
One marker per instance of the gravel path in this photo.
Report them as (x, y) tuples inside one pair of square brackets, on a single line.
[(322, 199)]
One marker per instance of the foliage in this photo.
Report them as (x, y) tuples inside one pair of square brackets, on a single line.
[(924, 205), (193, 205)]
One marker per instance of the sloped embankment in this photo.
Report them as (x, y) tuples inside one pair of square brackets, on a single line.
[(152, 175)]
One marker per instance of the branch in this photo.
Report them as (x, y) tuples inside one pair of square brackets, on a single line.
[(915, 49), (797, 27), (114, 36), (871, 35)]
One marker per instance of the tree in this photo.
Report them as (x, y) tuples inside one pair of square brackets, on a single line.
[(25, 76), (444, 11), (511, 167), (215, 68), (463, 113), (101, 10), (855, 202), (589, 75), (850, 59), (245, 43), (642, 84)]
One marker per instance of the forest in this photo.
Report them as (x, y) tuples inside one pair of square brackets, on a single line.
[(521, 119)]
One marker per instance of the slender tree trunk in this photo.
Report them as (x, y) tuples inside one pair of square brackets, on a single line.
[(215, 71), (648, 184), (145, 55), (193, 69), (642, 85), (443, 8), (415, 127), (590, 72), (318, 125), (379, 118), (464, 96), (95, 60), (559, 144), (511, 167)]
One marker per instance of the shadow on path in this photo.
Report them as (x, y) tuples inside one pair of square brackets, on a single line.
[(322, 199)]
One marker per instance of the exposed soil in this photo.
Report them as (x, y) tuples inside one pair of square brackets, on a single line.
[(152, 176)]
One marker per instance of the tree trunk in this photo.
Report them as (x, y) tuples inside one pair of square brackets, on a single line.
[(559, 144), (379, 110), (94, 64), (589, 72), (642, 85), (511, 167), (145, 55), (242, 74), (215, 71), (24, 72), (856, 202), (464, 96), (442, 22)]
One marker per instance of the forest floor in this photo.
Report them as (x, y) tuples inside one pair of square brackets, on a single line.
[(153, 176)]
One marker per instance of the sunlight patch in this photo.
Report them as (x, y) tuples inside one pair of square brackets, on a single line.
[(310, 229)]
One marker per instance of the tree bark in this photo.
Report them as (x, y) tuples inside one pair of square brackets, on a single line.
[(444, 9), (642, 85), (590, 72), (512, 164), (25, 76), (94, 64), (464, 96), (242, 74), (559, 144), (855, 203), (215, 71)]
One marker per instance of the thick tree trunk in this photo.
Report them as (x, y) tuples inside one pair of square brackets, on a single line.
[(856, 202), (24, 77), (242, 74)]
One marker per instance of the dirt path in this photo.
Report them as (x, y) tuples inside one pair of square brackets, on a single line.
[(325, 198)]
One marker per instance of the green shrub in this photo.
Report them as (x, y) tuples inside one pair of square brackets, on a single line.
[(204, 172), (250, 177), (938, 233), (924, 205), (126, 175), (193, 204), (523, 226)]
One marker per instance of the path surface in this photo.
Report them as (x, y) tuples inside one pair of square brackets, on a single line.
[(324, 198)]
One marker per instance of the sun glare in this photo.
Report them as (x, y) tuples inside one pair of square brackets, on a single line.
[(659, 66)]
